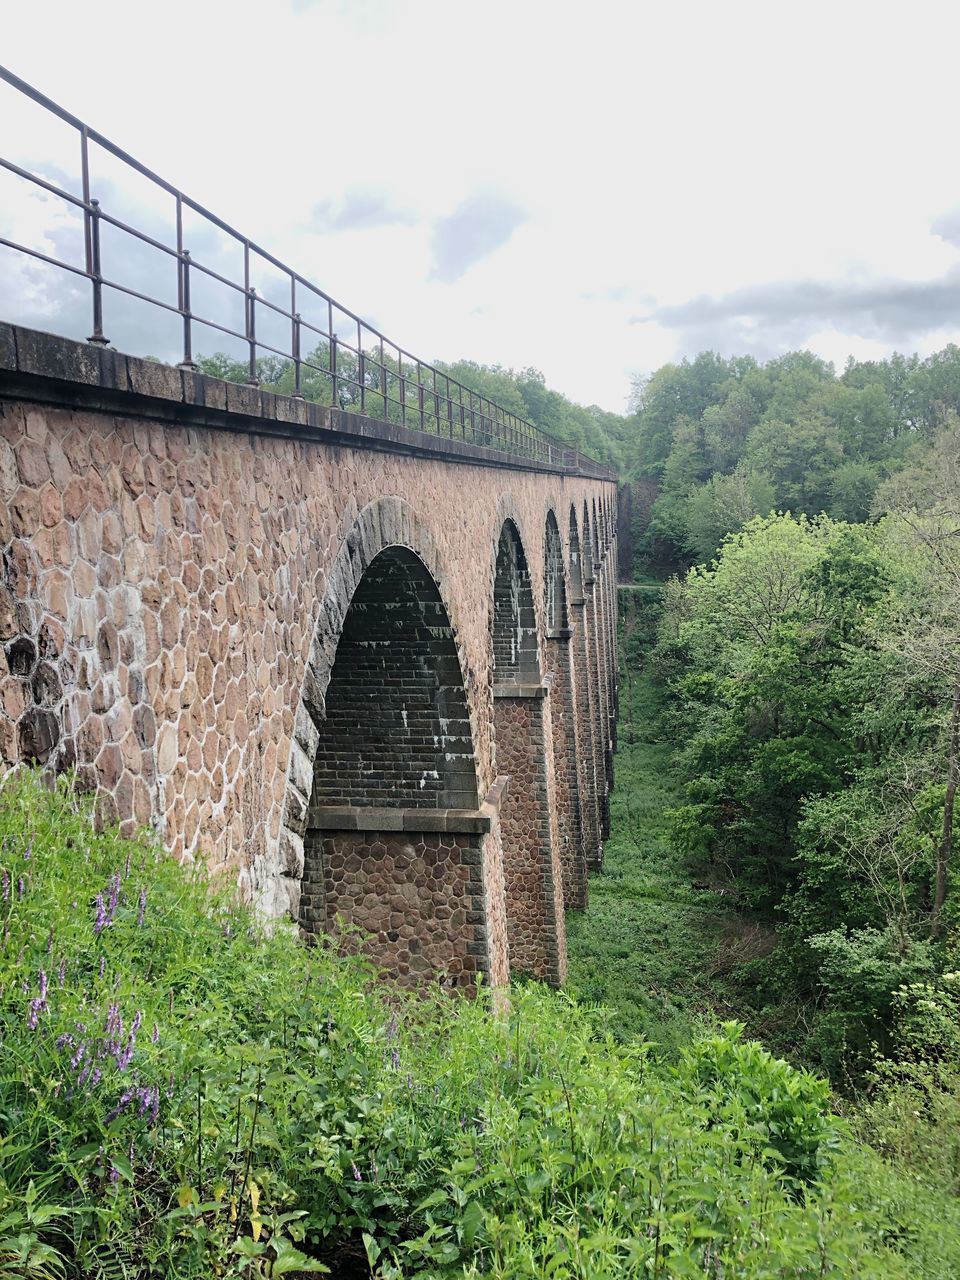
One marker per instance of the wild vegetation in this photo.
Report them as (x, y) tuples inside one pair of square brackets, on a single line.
[(182, 1096), (715, 441)]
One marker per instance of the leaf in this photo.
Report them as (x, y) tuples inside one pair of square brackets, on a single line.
[(289, 1259), (186, 1196), (471, 1221), (256, 1222)]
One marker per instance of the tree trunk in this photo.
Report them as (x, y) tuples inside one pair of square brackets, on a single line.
[(945, 851)]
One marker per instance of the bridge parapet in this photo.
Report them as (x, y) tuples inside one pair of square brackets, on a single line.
[(304, 655), (351, 365)]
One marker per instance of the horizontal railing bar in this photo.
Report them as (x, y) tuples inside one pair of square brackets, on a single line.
[(419, 381), (35, 253), (42, 182)]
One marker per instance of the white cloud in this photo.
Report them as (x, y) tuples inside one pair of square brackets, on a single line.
[(659, 154)]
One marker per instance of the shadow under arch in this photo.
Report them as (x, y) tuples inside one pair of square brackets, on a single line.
[(555, 589), (523, 746), (381, 825), (516, 658), (561, 667)]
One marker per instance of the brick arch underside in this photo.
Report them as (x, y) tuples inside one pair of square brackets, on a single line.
[(384, 828)]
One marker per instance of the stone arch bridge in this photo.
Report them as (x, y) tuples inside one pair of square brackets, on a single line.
[(369, 672)]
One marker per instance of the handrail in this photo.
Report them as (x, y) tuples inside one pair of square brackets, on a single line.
[(363, 371)]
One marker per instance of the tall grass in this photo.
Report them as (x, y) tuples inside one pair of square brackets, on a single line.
[(184, 1096)]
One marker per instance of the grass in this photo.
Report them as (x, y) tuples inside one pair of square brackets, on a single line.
[(650, 946), (185, 1098)]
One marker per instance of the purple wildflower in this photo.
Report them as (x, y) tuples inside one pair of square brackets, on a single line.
[(114, 1173), (6, 886), (125, 1099), (114, 895), (126, 865), (35, 1007), (62, 971), (103, 964), (155, 1037), (143, 908), (28, 852), (100, 923), (395, 1059), (20, 888), (43, 986), (357, 1176)]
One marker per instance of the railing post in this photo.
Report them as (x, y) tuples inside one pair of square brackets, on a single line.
[(252, 378), (297, 367), (188, 361), (97, 278)]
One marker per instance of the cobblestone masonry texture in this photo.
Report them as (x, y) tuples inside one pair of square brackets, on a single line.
[(170, 609)]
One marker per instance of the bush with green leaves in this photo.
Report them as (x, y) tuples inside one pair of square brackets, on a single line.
[(185, 1096)]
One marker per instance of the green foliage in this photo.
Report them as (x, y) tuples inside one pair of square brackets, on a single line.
[(725, 440), (184, 1096), (411, 395)]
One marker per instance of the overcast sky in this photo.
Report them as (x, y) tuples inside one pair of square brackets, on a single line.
[(590, 188)]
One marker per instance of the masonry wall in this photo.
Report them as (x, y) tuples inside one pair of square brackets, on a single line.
[(533, 891), (169, 545), (418, 898), (566, 790)]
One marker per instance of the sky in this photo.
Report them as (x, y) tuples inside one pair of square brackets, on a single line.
[(589, 189)]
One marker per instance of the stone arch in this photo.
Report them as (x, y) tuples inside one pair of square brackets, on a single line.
[(385, 522), (586, 544), (560, 668), (524, 755), (597, 546), (396, 730), (381, 822), (555, 590), (516, 657), (576, 562)]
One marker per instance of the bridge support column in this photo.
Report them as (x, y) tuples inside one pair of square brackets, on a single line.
[(420, 896), (566, 791), (610, 645), (586, 736), (598, 691), (533, 881)]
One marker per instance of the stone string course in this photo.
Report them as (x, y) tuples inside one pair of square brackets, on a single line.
[(171, 604)]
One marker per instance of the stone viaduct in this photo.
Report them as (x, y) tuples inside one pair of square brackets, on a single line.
[(368, 672)]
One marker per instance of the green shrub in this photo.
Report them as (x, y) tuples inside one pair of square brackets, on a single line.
[(184, 1096)]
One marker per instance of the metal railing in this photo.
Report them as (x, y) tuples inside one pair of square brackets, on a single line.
[(341, 360)]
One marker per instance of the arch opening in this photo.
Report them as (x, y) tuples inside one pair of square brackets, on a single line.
[(555, 587), (394, 835), (396, 731), (576, 570), (515, 657)]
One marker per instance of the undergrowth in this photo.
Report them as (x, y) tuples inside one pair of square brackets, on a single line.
[(183, 1096)]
